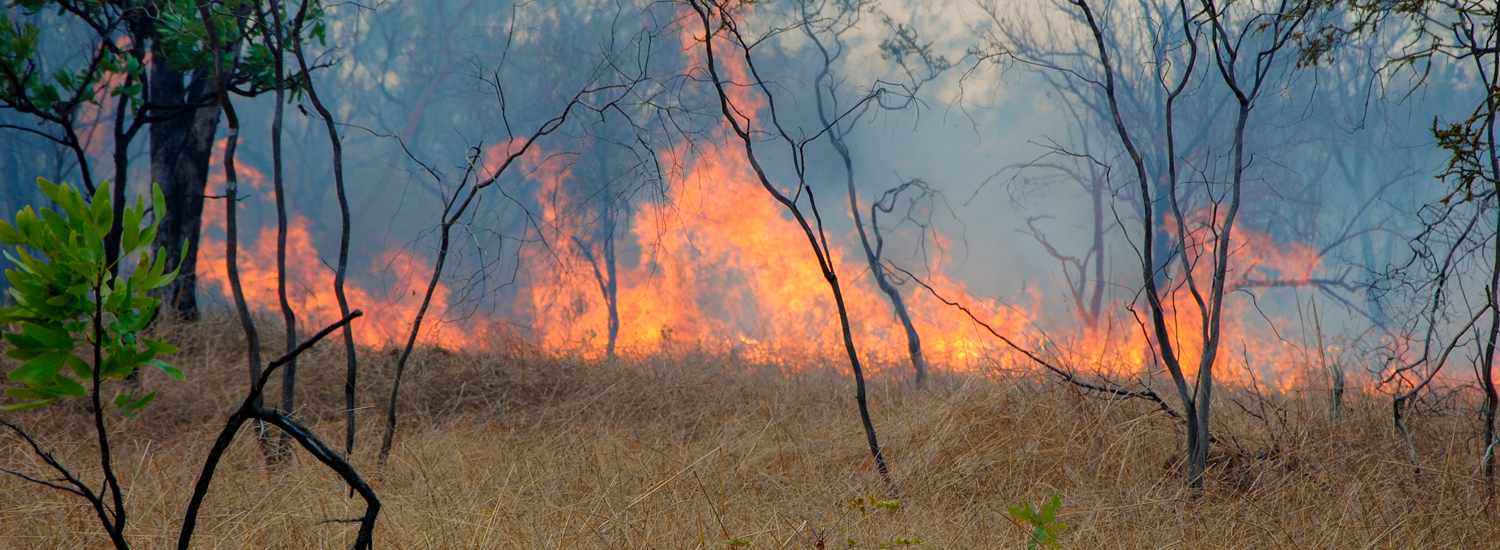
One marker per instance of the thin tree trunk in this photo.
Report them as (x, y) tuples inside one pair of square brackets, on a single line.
[(1487, 366), (454, 210), (289, 317), (351, 357), (820, 249), (117, 189), (1335, 373), (1487, 369), (611, 289), (872, 253), (106, 463), (877, 271), (231, 198), (1163, 335), (411, 341), (124, 135), (604, 277)]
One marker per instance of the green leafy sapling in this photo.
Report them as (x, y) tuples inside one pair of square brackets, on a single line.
[(1042, 520), (63, 294)]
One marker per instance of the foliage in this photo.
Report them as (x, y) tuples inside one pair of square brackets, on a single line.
[(186, 45), (1043, 521), (62, 294), (1466, 146), (29, 86), (866, 507)]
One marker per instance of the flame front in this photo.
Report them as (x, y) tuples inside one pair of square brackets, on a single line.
[(717, 264), (387, 315)]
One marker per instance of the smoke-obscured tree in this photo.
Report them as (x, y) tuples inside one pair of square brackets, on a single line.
[(1224, 59), (735, 79), (1326, 188), (130, 64), (1086, 273), (619, 81), (1453, 46), (593, 212), (824, 23)]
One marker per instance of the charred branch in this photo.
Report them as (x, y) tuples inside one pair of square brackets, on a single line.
[(250, 409)]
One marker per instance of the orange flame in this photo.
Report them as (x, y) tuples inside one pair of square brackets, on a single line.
[(388, 315), (718, 264)]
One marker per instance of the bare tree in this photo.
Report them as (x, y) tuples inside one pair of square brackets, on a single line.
[(1240, 45), (824, 24), (721, 21), (608, 88), (1440, 37), (351, 356)]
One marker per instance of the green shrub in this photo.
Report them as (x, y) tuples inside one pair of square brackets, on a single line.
[(63, 294)]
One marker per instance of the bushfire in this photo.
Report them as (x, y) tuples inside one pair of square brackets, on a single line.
[(716, 266)]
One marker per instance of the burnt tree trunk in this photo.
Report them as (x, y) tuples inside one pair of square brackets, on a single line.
[(180, 149)]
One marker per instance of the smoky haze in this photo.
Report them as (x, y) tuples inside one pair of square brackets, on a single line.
[(1030, 216)]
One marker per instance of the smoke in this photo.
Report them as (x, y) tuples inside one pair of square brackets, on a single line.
[(1007, 130)]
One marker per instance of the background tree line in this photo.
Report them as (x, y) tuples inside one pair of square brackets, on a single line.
[(1168, 128)]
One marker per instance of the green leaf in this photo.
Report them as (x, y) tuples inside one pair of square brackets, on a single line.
[(28, 405), (159, 346), (9, 235), (129, 91), (30, 393), (23, 355), (141, 402), (54, 223), (80, 368), (101, 212), (169, 369), (46, 95), (130, 229), (128, 404), (23, 343), (53, 339), (66, 197), (69, 387), (148, 234), (117, 367), (41, 370)]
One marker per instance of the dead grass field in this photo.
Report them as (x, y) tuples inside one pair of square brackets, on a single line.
[(526, 451)]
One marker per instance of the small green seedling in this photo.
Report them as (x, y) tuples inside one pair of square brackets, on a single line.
[(867, 508), (1044, 522)]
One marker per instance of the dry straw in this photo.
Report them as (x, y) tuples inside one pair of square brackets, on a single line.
[(522, 450)]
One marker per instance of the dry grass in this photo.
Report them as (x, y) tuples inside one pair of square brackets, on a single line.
[(521, 451)]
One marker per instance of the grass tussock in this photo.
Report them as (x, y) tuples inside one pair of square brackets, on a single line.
[(521, 450)]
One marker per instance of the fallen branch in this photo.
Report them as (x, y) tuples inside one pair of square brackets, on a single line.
[(248, 410)]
